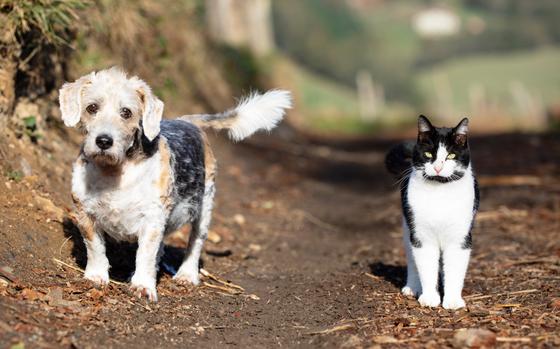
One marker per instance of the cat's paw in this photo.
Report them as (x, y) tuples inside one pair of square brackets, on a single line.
[(410, 291), (453, 302), (429, 299)]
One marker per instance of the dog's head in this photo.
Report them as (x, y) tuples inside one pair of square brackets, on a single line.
[(113, 110)]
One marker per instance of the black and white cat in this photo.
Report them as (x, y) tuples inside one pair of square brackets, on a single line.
[(439, 200)]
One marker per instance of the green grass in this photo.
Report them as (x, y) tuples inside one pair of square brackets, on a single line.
[(50, 17), (324, 96), (329, 107), (535, 70)]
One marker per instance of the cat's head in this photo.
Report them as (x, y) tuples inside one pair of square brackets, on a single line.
[(441, 154)]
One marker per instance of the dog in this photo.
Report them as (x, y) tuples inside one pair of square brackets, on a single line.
[(138, 177)]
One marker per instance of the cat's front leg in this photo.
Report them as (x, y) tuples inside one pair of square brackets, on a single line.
[(455, 263), (427, 263), (413, 286)]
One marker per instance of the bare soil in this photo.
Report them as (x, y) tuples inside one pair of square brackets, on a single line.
[(310, 230)]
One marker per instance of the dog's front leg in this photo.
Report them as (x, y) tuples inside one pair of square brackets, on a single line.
[(143, 282), (97, 268)]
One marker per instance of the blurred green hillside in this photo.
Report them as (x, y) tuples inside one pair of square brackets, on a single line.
[(503, 54)]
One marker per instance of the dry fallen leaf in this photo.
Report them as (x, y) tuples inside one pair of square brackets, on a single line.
[(239, 219), (474, 338), (31, 295), (214, 237)]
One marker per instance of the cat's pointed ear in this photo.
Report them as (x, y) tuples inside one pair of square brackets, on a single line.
[(461, 131), (424, 128), (424, 124)]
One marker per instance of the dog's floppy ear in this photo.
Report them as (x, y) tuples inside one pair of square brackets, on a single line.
[(70, 99), (152, 111)]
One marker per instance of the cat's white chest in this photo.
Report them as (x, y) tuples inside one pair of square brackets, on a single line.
[(441, 211), (119, 205)]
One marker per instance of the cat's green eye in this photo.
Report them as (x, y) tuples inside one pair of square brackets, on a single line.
[(428, 154), (451, 156)]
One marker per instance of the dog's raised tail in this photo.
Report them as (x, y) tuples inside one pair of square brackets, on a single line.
[(252, 113)]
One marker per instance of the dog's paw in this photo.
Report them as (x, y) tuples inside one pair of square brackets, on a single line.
[(187, 276), (453, 302), (410, 291), (143, 287), (429, 299), (98, 277)]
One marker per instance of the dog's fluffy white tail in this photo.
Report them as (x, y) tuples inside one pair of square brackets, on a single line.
[(254, 112)]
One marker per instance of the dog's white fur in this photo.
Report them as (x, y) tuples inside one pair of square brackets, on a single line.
[(259, 112), (133, 199)]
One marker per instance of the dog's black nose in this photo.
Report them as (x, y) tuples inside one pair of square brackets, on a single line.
[(104, 142)]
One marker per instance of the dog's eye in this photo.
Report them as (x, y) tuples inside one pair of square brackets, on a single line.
[(428, 155), (92, 108), (126, 113)]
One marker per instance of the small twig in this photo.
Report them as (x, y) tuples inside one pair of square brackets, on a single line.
[(521, 292), (513, 339), (509, 305), (204, 272), (476, 298), (333, 329), (8, 276), (140, 304), (318, 222), (532, 261), (82, 271), (371, 276), (222, 288), (64, 243)]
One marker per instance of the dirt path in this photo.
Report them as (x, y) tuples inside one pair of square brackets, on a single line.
[(312, 233)]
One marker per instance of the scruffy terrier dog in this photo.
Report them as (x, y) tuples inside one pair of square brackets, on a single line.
[(139, 177)]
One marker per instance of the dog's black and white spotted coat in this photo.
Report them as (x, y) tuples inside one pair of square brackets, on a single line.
[(138, 178)]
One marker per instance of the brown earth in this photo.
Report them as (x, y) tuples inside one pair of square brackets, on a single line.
[(310, 230)]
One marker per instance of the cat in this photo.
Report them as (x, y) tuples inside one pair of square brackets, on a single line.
[(440, 198)]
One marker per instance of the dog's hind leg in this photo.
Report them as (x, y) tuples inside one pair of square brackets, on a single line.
[(188, 272)]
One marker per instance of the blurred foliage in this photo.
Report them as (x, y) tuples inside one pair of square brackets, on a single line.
[(35, 39), (496, 75), (510, 25), (240, 67), (335, 40), (30, 128), (331, 40), (51, 18), (163, 42)]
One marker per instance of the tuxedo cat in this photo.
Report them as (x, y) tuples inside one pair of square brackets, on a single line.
[(439, 201)]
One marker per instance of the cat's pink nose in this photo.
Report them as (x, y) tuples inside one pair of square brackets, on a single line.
[(438, 169)]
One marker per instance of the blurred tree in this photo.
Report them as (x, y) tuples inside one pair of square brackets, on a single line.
[(329, 38), (241, 23)]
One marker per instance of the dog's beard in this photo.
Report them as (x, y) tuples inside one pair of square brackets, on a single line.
[(104, 159)]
